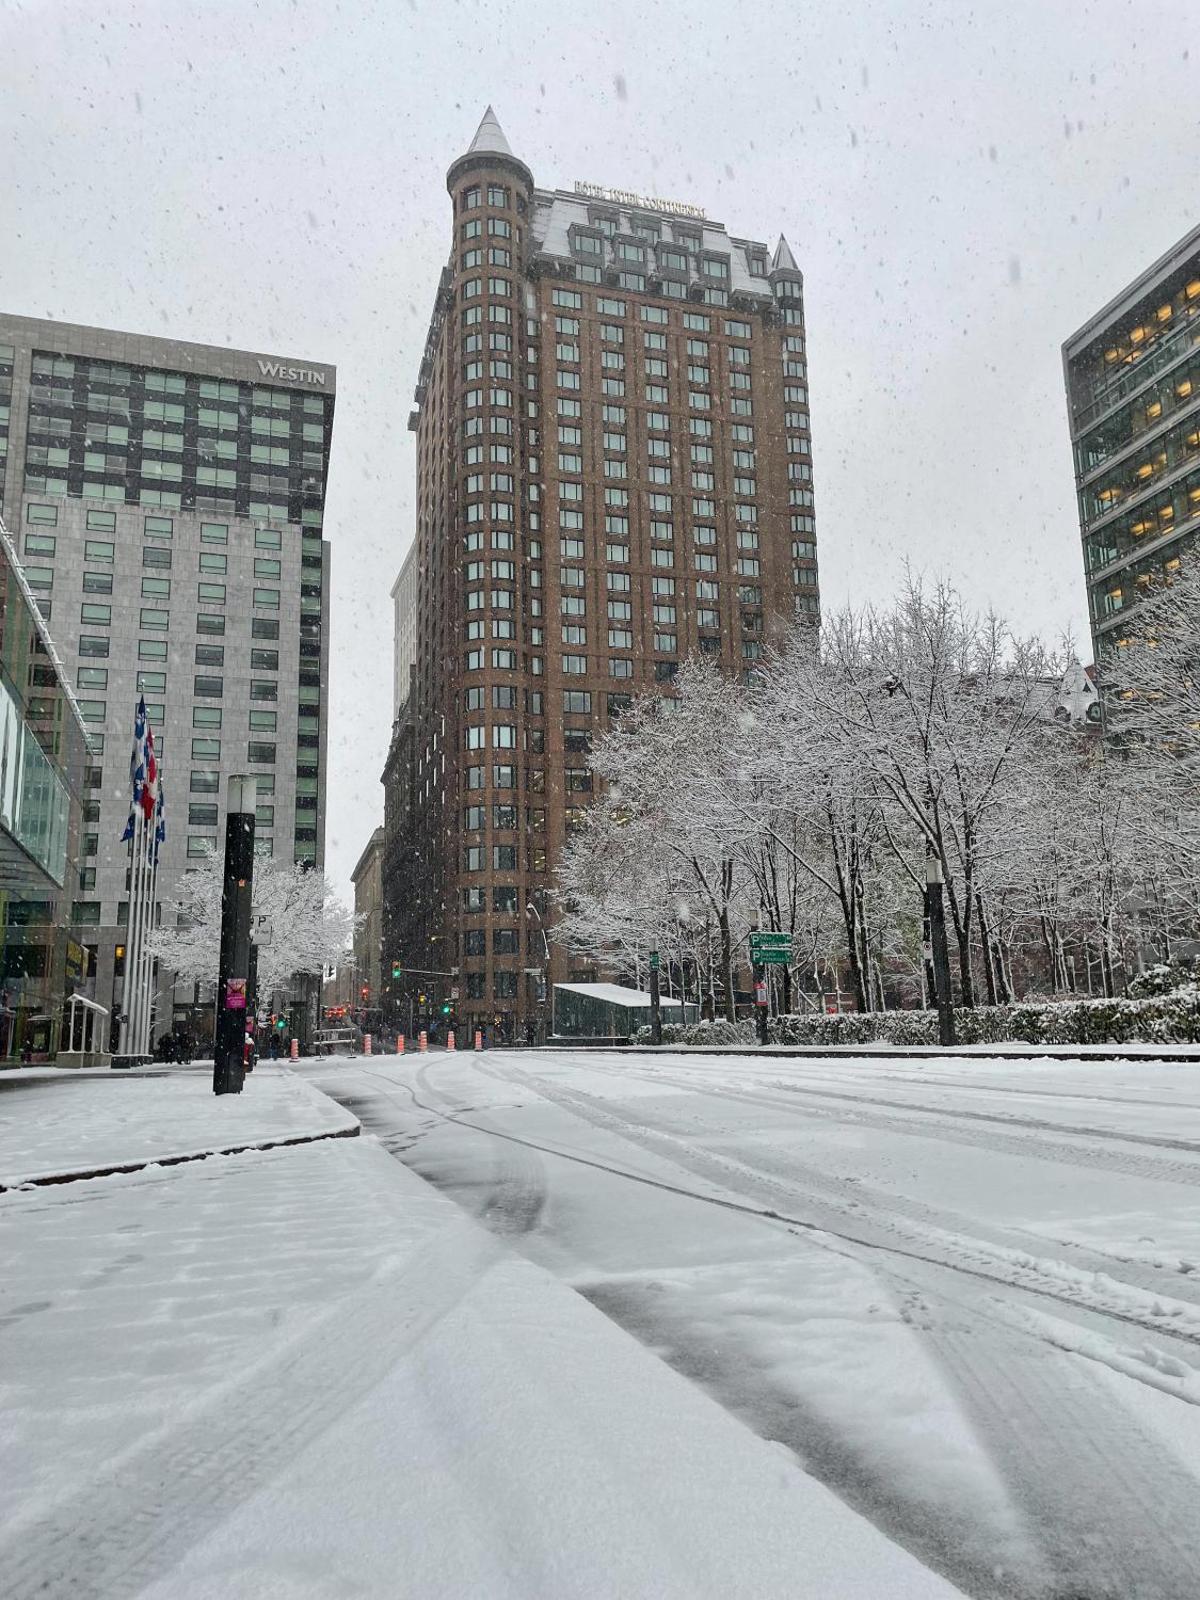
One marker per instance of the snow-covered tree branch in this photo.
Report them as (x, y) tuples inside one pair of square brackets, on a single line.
[(299, 925)]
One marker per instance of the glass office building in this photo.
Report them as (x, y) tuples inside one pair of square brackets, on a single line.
[(167, 500), (43, 755), (1133, 393)]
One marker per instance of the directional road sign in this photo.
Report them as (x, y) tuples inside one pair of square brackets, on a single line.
[(770, 949)]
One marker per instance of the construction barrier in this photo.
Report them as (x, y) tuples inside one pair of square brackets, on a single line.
[(366, 1044), (295, 1050), (399, 1044), (423, 1040), (450, 1040), (478, 1039)]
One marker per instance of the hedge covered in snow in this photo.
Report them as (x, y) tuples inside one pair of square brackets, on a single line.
[(1172, 1018)]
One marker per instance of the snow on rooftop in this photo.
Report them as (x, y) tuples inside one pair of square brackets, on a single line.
[(555, 211), (614, 994)]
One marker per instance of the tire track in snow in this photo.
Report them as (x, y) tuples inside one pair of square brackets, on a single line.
[(1092, 1487), (1130, 1163), (134, 1520), (1113, 1514), (880, 1228)]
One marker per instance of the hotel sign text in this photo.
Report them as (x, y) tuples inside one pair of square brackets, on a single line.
[(623, 197), (273, 369)]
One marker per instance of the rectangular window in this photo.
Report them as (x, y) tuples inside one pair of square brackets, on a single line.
[(504, 858), (100, 615), (98, 550), (156, 588), (97, 582), (206, 716), (263, 754), (267, 598), (263, 721)]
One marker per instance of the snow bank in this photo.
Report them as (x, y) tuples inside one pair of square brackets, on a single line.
[(76, 1125)]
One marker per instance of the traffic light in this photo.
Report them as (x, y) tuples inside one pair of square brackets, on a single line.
[(445, 1008), (420, 999), (365, 990), (397, 969)]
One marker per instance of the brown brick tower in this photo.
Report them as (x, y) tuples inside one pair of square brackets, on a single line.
[(614, 471)]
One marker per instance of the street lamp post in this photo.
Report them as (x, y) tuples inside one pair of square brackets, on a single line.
[(544, 983), (655, 1001), (935, 914)]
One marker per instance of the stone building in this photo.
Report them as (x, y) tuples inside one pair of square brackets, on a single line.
[(614, 471)]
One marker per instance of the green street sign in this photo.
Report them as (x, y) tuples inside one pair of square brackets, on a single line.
[(770, 949), (654, 961)]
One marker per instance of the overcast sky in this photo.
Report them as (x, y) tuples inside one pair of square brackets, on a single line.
[(963, 185)]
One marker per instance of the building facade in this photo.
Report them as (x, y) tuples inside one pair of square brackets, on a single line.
[(43, 756), (1133, 396), (404, 619), (614, 471), (368, 933), (168, 500)]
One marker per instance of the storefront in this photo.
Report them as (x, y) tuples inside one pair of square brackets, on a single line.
[(43, 756)]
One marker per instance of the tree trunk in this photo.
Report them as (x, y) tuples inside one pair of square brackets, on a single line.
[(966, 976), (727, 963), (989, 971)]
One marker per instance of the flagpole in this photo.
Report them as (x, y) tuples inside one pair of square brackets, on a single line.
[(133, 956), (124, 1044), (136, 1008), (151, 988)]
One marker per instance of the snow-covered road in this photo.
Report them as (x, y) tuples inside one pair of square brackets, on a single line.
[(965, 1293)]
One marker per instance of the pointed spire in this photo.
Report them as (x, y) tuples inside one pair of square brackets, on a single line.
[(489, 137), (783, 260), (488, 147)]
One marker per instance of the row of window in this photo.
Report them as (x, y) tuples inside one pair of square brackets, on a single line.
[(202, 716), (103, 551), (505, 817), (41, 579)]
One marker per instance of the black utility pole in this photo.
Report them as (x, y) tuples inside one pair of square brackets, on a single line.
[(936, 915), (760, 1001), (655, 1001), (233, 978)]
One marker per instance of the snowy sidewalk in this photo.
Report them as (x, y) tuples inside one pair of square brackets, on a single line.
[(55, 1125), (302, 1373)]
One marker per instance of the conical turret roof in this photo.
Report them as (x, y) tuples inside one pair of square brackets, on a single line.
[(783, 260), (489, 143), (489, 137)]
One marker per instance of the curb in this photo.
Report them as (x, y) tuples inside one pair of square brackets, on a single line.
[(81, 1176), (803, 1052)]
